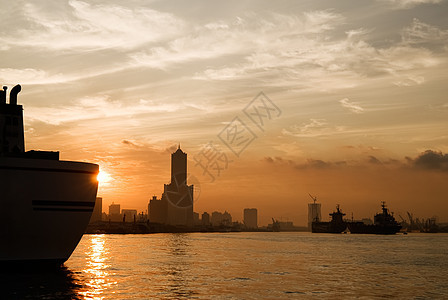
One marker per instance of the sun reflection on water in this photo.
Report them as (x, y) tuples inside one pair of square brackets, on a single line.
[(96, 269)]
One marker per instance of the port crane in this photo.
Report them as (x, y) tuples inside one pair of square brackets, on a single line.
[(313, 197), (316, 218)]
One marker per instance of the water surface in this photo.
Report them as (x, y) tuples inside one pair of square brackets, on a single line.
[(244, 266)]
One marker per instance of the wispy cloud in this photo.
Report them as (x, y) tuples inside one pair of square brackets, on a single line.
[(29, 76), (314, 128), (81, 25), (325, 63), (351, 106), (406, 4), (39, 76), (421, 33), (251, 34), (96, 108)]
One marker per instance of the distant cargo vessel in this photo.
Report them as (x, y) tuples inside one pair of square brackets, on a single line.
[(384, 223), (336, 225), (46, 203)]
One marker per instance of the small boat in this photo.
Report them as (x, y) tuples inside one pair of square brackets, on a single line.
[(336, 225), (384, 223)]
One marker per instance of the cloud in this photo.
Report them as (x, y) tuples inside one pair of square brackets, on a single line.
[(314, 128), (410, 81), (131, 143), (432, 160), (269, 159), (304, 51), (428, 160), (97, 107), (81, 25), (39, 76), (325, 63), (318, 164), (351, 106), (407, 4), (28, 76), (308, 164), (374, 160), (419, 32), (249, 35)]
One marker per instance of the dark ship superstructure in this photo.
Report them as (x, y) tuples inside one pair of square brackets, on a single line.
[(384, 223), (336, 225)]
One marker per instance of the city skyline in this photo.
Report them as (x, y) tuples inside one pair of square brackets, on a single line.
[(357, 92)]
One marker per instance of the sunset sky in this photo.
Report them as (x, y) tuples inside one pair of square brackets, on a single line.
[(357, 92)]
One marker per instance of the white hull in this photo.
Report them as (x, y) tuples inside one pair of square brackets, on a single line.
[(45, 207)]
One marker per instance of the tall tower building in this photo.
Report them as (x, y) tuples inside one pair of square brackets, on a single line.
[(178, 195), (179, 167), (314, 212)]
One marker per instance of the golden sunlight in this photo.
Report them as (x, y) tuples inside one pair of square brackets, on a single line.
[(104, 178)]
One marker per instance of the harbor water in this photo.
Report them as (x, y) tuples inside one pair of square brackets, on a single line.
[(258, 265)]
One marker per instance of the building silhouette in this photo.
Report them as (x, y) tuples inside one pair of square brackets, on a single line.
[(220, 219), (216, 218), (314, 212), (129, 215), (176, 205), (157, 210), (251, 218), (196, 219), (205, 219), (114, 212)]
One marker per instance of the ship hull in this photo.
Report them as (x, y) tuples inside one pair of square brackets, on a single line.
[(327, 227), (361, 228), (46, 207)]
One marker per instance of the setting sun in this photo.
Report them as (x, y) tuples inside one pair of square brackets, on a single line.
[(103, 178)]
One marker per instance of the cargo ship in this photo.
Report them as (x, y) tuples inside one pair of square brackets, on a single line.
[(46, 202), (336, 225), (384, 223)]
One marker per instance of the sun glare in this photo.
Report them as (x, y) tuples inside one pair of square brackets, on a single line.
[(103, 178)]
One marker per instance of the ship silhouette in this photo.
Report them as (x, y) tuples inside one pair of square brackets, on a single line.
[(384, 223), (46, 202), (336, 225)]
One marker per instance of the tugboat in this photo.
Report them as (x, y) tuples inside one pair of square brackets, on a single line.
[(336, 225), (46, 202), (384, 223)]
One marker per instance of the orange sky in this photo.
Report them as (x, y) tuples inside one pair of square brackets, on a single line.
[(358, 91)]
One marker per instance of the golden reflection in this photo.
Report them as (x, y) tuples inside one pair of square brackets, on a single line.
[(95, 269)]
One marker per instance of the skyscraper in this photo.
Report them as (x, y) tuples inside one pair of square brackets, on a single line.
[(179, 167), (176, 205)]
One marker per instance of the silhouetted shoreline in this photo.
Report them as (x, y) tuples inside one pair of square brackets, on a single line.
[(104, 227)]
